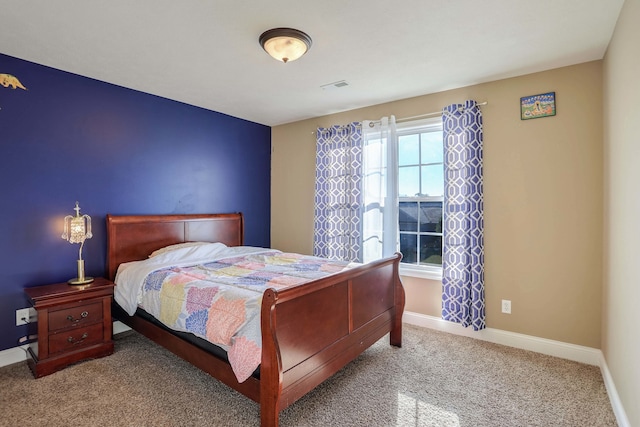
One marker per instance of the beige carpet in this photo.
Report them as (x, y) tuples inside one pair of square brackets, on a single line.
[(436, 379)]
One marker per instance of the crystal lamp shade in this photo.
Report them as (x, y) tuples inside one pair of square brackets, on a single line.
[(77, 228)]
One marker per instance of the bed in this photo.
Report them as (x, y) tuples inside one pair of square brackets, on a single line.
[(308, 332)]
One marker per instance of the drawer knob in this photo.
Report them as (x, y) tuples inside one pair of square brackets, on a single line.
[(82, 338), (82, 316)]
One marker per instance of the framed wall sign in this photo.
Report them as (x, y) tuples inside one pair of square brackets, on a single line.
[(536, 106)]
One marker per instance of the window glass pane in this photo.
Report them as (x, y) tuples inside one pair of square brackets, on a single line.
[(421, 188), (432, 180), (408, 247), (432, 147), (430, 249), (408, 216), (408, 150), (431, 217), (408, 181)]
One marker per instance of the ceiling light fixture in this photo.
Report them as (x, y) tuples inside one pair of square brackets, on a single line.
[(285, 44)]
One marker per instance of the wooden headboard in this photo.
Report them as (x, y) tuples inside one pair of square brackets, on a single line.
[(134, 237)]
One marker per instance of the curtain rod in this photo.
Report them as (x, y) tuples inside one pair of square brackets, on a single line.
[(435, 113), (420, 116)]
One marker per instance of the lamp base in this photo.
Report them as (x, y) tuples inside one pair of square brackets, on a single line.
[(83, 281)]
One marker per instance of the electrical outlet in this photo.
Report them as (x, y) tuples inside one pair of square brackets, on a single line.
[(22, 316), (506, 306)]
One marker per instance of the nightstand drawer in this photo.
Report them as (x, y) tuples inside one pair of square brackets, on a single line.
[(77, 338), (75, 317)]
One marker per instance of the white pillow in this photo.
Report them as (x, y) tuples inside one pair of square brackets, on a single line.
[(175, 247)]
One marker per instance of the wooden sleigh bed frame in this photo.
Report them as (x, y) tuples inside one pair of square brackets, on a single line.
[(309, 332)]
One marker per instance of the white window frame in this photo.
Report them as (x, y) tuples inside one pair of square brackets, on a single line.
[(432, 272)]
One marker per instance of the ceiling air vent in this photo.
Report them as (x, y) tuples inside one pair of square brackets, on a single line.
[(335, 85)]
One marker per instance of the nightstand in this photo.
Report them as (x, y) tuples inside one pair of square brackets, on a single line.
[(73, 324)]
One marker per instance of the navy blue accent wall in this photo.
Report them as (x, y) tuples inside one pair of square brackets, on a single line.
[(114, 150)]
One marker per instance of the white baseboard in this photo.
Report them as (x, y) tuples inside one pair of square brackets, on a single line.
[(13, 355), (577, 353), (119, 327), (616, 404)]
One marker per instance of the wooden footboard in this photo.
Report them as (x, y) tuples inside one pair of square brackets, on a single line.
[(312, 331), (309, 332)]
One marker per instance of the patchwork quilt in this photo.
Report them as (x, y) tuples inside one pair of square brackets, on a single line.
[(220, 300)]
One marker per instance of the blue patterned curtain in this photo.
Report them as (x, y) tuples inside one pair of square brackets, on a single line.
[(463, 227), (338, 194)]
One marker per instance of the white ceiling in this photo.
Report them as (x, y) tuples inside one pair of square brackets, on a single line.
[(206, 52)]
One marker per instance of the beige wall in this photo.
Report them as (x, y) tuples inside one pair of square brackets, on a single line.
[(543, 200), (621, 312)]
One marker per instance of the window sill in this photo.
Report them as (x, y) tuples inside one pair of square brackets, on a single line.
[(431, 273)]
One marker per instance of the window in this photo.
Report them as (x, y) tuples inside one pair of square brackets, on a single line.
[(420, 193)]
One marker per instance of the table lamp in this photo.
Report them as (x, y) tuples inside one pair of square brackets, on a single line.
[(76, 230)]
